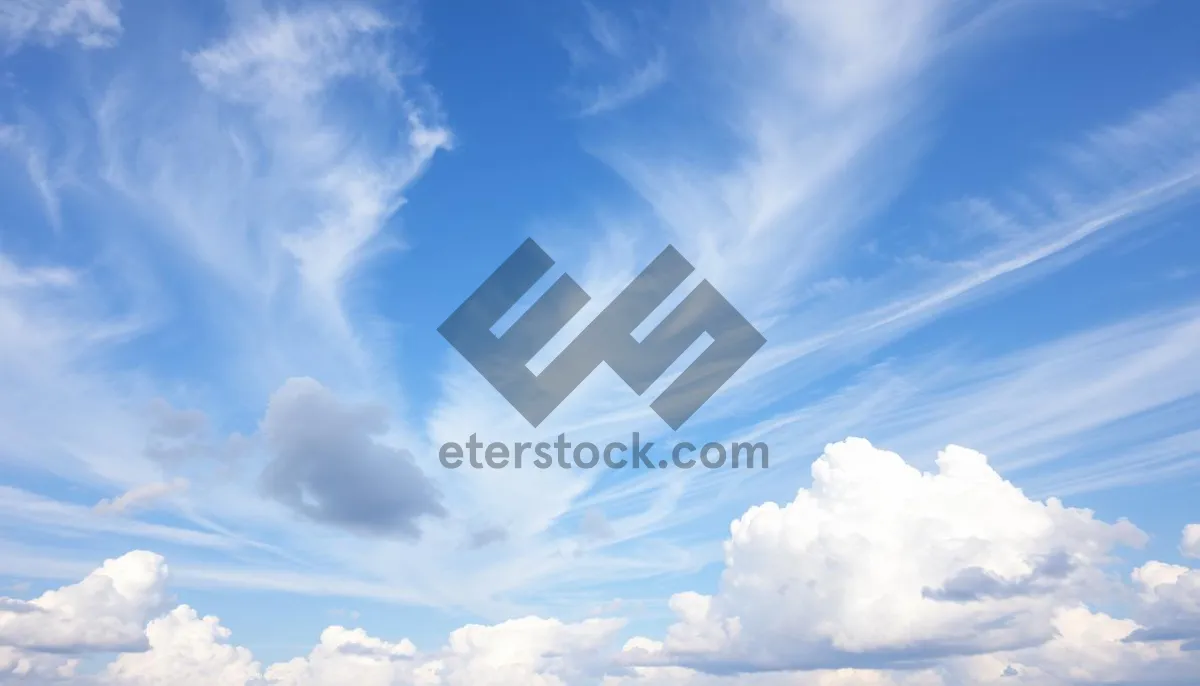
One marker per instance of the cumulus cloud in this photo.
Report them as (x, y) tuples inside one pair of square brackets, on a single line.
[(329, 466), (876, 575), (119, 607), (93, 23), (1190, 545), (24, 667), (530, 650), (1170, 609), (185, 650), (348, 656), (107, 610), (878, 563), (1088, 648)]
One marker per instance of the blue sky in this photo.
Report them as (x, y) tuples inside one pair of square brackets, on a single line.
[(229, 232)]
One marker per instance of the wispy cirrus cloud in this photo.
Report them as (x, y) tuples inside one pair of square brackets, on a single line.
[(92, 23), (15, 140), (283, 200), (793, 200), (244, 194), (265, 197), (1124, 386), (258, 175), (141, 496), (614, 62), (820, 136)]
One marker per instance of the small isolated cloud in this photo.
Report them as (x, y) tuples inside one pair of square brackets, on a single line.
[(142, 496), (92, 23), (1190, 545), (613, 64), (607, 97), (327, 465)]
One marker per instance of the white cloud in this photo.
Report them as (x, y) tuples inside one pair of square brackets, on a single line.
[(615, 63), (878, 575), (16, 140), (811, 95), (249, 196), (93, 23), (37, 512), (1087, 648), (117, 608), (284, 65), (531, 650), (262, 171), (1170, 609), (277, 61), (59, 412), (1153, 574), (242, 166), (880, 563), (824, 103), (24, 667), (185, 649), (142, 496), (15, 277), (642, 80), (107, 610), (1111, 394), (347, 656), (1190, 545)]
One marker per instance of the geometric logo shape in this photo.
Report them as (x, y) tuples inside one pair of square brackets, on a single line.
[(503, 360)]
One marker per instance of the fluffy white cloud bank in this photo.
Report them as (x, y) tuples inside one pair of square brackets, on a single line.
[(881, 563), (876, 574), (185, 649)]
